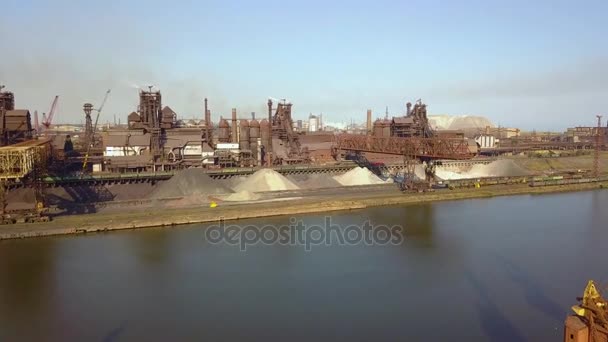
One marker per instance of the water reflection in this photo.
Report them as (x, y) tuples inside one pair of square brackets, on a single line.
[(495, 324), (534, 293), (152, 249), (27, 280), (462, 267)]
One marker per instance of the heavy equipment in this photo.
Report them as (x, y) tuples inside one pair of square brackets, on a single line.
[(590, 320), (362, 161), (409, 182)]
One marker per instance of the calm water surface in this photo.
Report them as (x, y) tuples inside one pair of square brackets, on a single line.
[(503, 269)]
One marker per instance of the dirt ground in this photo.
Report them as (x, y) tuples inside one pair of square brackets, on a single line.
[(561, 164)]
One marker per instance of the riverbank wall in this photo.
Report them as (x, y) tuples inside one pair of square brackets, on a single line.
[(104, 222)]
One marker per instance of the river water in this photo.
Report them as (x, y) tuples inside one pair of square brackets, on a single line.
[(501, 269)]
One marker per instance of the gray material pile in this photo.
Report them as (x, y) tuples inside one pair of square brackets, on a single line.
[(231, 182), (20, 199), (314, 181), (189, 182)]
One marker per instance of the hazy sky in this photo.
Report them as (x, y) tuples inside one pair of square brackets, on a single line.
[(534, 64)]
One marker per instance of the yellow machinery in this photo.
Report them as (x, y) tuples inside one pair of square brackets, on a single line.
[(19, 162), (590, 321)]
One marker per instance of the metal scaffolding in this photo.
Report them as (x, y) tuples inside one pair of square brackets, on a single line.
[(19, 160)]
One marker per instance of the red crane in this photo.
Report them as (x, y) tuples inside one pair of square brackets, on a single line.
[(47, 120)]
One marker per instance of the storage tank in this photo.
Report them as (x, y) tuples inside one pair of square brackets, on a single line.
[(265, 133), (224, 131), (386, 128), (254, 130), (244, 135), (253, 145), (378, 128)]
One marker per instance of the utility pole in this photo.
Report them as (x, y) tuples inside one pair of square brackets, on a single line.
[(598, 146)]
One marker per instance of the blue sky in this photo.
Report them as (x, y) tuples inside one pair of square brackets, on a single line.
[(536, 65)]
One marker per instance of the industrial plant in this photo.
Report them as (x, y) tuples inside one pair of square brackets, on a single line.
[(154, 146)]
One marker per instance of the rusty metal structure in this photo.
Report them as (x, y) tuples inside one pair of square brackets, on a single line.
[(409, 135), (290, 150), (15, 124), (421, 148), (590, 320), (414, 124), (88, 124)]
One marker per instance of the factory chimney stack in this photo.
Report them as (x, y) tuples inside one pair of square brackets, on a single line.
[(369, 121), (233, 126)]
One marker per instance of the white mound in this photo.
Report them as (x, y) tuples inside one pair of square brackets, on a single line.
[(265, 180), (458, 121), (358, 176), (499, 168)]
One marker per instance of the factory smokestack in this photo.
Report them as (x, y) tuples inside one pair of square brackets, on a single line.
[(206, 114), (233, 126), (208, 125), (369, 121), (269, 143), (270, 112), (408, 107)]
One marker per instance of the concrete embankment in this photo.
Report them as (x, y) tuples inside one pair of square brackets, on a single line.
[(102, 222)]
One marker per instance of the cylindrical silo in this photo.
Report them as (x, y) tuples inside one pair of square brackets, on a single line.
[(244, 135), (254, 130), (254, 135), (265, 134), (378, 128), (386, 128), (224, 131)]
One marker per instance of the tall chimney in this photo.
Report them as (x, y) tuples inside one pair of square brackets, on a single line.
[(408, 107), (206, 114), (233, 126), (270, 112), (369, 121), (269, 143)]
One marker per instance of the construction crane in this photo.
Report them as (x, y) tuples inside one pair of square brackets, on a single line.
[(86, 156), (47, 120)]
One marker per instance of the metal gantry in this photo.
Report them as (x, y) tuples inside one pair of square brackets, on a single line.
[(431, 148)]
